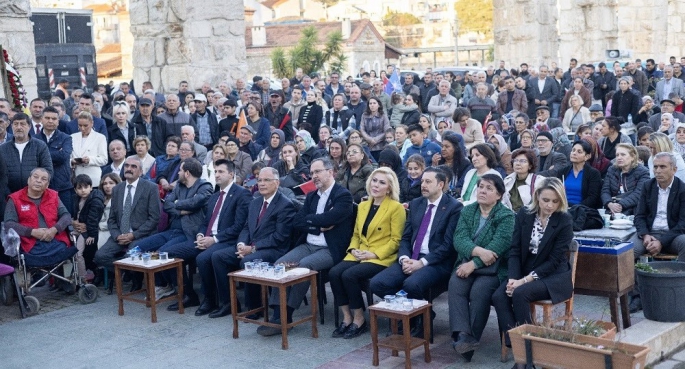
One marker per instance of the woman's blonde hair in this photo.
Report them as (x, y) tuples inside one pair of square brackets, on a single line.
[(632, 152), (394, 184), (220, 147), (553, 184), (661, 142)]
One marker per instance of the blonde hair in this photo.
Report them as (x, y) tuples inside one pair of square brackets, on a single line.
[(632, 151), (553, 184), (85, 115), (391, 177), (122, 107), (661, 142)]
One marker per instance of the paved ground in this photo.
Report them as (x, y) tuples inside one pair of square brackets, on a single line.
[(68, 334)]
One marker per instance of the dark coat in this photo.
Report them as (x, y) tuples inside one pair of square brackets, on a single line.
[(312, 114), (608, 79), (633, 184), (338, 213), (273, 230), (343, 120), (60, 148), (591, 185), (91, 213), (36, 154), (625, 103), (192, 200), (675, 211), (213, 125), (411, 117), (555, 159), (116, 134), (551, 263), (159, 133), (442, 230), (232, 216)]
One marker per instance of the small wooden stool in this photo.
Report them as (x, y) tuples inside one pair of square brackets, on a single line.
[(149, 270), (404, 342), (665, 257)]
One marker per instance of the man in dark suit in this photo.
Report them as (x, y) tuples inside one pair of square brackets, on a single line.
[(660, 216), (223, 221), (60, 147), (326, 222), (426, 254), (117, 155), (126, 226), (85, 103), (265, 236), (544, 91)]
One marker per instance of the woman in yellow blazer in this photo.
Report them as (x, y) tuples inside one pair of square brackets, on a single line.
[(374, 245)]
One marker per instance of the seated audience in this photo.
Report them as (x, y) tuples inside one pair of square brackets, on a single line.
[(484, 161), (520, 185), (624, 181), (354, 173)]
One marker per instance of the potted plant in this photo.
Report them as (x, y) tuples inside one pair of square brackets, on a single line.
[(594, 328), (547, 347), (662, 287)]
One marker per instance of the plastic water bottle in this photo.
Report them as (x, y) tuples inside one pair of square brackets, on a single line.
[(630, 119)]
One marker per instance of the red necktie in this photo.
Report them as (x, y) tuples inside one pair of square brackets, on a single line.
[(215, 213), (261, 213)]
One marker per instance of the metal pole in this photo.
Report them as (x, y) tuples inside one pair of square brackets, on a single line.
[(456, 39)]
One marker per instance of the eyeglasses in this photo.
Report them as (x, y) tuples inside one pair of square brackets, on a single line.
[(185, 150), (266, 180)]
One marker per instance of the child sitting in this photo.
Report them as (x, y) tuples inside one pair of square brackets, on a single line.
[(88, 211), (410, 186)]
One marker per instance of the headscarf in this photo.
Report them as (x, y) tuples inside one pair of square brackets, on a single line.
[(503, 147), (496, 125), (560, 138), (274, 153), (307, 137)]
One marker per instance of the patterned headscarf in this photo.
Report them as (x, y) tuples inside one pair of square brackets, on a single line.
[(307, 137)]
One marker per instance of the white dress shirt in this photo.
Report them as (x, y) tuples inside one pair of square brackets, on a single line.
[(320, 240)]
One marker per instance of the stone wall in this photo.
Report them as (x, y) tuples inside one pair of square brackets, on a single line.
[(196, 41), (587, 28), (526, 31), (16, 36)]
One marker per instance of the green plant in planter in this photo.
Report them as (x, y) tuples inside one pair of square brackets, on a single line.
[(588, 327), (645, 268)]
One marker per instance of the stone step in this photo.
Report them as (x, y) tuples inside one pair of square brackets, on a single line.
[(663, 339)]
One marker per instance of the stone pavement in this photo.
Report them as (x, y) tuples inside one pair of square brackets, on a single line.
[(68, 334)]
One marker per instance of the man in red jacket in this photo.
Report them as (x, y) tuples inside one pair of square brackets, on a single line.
[(39, 217)]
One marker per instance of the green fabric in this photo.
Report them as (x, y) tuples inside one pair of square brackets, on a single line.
[(469, 189), (495, 236)]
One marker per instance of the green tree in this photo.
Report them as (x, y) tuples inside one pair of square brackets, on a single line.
[(399, 19), (475, 16), (309, 54)]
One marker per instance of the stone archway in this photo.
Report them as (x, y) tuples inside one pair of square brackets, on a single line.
[(195, 41)]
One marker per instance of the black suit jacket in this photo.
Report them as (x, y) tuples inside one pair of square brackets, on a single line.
[(549, 91), (116, 134), (551, 263), (338, 212), (442, 252), (675, 210), (232, 216), (273, 231)]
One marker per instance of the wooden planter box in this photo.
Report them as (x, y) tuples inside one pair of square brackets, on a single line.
[(610, 329), (584, 352)]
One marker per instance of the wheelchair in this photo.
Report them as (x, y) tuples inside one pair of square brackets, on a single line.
[(64, 271)]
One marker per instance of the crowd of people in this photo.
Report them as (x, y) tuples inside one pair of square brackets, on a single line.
[(467, 180)]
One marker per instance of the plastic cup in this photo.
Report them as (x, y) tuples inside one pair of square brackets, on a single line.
[(249, 267), (407, 304), (163, 256), (146, 258), (279, 271)]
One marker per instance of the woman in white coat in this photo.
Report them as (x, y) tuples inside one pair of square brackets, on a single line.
[(521, 184), (90, 149)]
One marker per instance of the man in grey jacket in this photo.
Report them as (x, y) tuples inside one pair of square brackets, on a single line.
[(23, 153), (548, 159)]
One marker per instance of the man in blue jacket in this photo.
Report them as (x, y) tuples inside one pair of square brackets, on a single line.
[(60, 147), (420, 145)]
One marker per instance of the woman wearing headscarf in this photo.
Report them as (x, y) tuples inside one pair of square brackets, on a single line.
[(503, 150), (271, 153), (308, 149), (561, 142), (491, 129)]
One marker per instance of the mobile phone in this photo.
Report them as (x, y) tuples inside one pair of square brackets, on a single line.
[(78, 160), (251, 182)]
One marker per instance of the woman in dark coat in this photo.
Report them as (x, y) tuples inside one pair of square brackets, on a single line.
[(625, 102), (538, 267), (624, 181), (582, 182), (311, 113)]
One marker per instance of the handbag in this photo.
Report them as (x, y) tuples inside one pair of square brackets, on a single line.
[(490, 270)]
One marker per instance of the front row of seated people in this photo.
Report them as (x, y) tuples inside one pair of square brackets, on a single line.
[(488, 254)]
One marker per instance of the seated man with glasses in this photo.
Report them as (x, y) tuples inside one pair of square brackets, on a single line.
[(326, 221), (547, 158)]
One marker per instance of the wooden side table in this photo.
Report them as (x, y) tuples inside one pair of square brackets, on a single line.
[(404, 342), (149, 271), (282, 285)]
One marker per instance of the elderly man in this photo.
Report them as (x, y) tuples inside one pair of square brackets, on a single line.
[(481, 106), (379, 93), (543, 121), (265, 236), (23, 154), (188, 135), (174, 117), (667, 106), (660, 216), (185, 206), (326, 221), (206, 122), (426, 254), (60, 148), (512, 98), (548, 159), (668, 85), (639, 78), (40, 219), (117, 155), (153, 127), (134, 215)]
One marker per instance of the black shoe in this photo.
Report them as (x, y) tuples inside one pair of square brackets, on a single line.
[(136, 282), (417, 331), (355, 331), (188, 301), (109, 289), (205, 308), (465, 343), (222, 312), (270, 331), (99, 278), (467, 356), (340, 331), (635, 304), (256, 316), (127, 276)]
